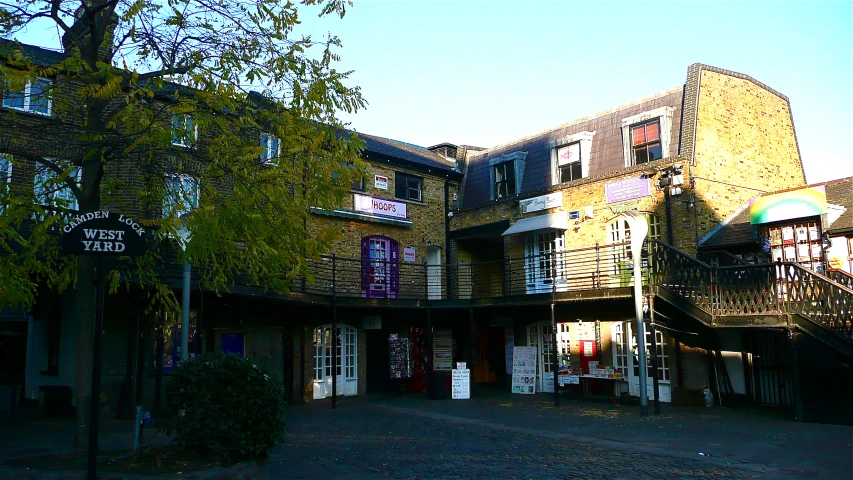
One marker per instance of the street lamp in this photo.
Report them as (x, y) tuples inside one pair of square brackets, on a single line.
[(639, 229), (184, 236)]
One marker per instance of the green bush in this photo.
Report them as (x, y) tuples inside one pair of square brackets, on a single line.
[(226, 408)]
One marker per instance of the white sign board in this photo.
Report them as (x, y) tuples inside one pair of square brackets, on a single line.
[(524, 370), (379, 206), (543, 202), (380, 182), (409, 254), (460, 384), (569, 379)]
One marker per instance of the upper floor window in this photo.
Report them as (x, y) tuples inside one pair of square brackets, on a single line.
[(5, 179), (181, 195), (33, 98), (271, 146), (408, 187), (570, 157), (184, 130), (646, 136), (505, 173), (645, 142), (52, 190)]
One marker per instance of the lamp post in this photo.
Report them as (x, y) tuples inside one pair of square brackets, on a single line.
[(184, 236), (639, 229)]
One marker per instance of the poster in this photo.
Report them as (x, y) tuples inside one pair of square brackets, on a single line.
[(803, 252), (442, 350), (790, 254), (813, 233), (787, 234), (816, 251), (802, 234), (460, 384), (777, 254), (524, 370), (509, 341)]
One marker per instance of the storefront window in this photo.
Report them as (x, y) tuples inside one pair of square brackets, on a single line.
[(170, 337), (797, 242)]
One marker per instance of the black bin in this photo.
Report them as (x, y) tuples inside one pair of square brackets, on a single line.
[(437, 386), (56, 401)]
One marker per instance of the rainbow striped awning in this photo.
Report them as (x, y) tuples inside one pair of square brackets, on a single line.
[(800, 203)]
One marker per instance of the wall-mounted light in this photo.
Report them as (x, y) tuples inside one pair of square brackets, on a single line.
[(691, 202)]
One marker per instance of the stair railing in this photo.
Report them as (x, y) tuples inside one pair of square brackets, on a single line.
[(817, 297)]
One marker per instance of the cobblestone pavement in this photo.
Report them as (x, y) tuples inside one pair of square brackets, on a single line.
[(364, 440)]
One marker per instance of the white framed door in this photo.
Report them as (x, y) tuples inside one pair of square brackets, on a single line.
[(545, 263), (346, 352), (626, 360), (540, 335), (433, 273), (618, 231)]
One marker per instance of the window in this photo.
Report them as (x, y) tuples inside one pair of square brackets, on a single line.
[(358, 185), (569, 162), (645, 142), (408, 187), (800, 242), (271, 146), (50, 191), (570, 157), (33, 98), (184, 130), (504, 174), (5, 180), (181, 195)]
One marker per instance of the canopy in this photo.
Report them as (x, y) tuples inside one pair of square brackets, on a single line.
[(557, 221)]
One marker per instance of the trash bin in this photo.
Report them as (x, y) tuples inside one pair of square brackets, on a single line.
[(55, 401), (437, 385)]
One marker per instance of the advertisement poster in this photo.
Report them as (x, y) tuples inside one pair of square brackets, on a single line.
[(460, 384), (524, 370)]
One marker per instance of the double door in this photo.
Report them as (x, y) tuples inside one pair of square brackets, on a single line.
[(540, 335), (626, 360), (545, 262), (345, 351)]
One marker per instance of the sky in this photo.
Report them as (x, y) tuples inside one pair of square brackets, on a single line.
[(487, 72)]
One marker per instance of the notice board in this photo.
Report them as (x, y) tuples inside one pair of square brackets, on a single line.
[(524, 370), (460, 386)]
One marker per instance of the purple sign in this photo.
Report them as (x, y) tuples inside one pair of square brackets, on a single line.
[(627, 189)]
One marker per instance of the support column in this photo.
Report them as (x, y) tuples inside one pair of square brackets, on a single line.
[(471, 344), (334, 354), (555, 362), (654, 353), (795, 376)]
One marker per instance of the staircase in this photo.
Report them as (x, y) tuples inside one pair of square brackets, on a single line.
[(765, 295)]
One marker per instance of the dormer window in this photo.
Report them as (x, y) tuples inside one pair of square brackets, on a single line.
[(271, 146), (184, 130), (33, 98), (646, 136), (505, 173), (570, 157)]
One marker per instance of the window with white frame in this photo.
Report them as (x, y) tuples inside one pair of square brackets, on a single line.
[(33, 98), (184, 130), (181, 195), (52, 189), (271, 146), (646, 136), (5, 179), (570, 157), (505, 174)]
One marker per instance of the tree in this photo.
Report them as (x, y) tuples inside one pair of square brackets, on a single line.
[(153, 112)]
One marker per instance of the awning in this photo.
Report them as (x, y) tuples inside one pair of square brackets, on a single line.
[(558, 221)]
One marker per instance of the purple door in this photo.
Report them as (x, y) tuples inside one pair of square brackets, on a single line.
[(380, 267)]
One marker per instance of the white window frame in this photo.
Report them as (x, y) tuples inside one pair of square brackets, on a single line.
[(181, 140), (6, 182), (268, 157), (170, 203), (50, 197), (518, 159), (584, 139), (664, 115), (27, 95)]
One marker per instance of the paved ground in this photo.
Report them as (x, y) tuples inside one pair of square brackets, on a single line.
[(497, 435)]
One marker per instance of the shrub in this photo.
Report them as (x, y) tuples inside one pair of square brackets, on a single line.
[(226, 408)]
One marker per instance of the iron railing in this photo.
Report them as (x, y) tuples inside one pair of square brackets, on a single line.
[(841, 277)]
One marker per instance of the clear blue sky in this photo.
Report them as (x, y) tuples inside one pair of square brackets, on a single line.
[(486, 72)]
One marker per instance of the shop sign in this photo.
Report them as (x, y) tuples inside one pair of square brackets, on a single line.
[(460, 384), (836, 263), (103, 233), (627, 189), (409, 254), (800, 203), (379, 206), (380, 182), (524, 370), (542, 202)]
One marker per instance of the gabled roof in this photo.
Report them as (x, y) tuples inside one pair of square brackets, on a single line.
[(378, 148), (38, 55), (737, 230)]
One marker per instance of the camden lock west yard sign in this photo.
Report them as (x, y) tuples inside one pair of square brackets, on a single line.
[(103, 233)]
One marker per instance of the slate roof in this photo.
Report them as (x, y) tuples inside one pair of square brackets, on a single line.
[(38, 55), (386, 149), (606, 155), (738, 230)]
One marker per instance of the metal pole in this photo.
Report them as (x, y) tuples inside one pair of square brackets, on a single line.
[(471, 344), (334, 336), (555, 358), (94, 412), (641, 335), (654, 354), (185, 314)]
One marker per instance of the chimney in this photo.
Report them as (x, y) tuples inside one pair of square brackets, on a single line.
[(83, 29)]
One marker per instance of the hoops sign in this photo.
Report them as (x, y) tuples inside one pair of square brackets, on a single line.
[(379, 206)]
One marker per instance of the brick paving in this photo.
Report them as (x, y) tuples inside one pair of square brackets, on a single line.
[(410, 439)]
